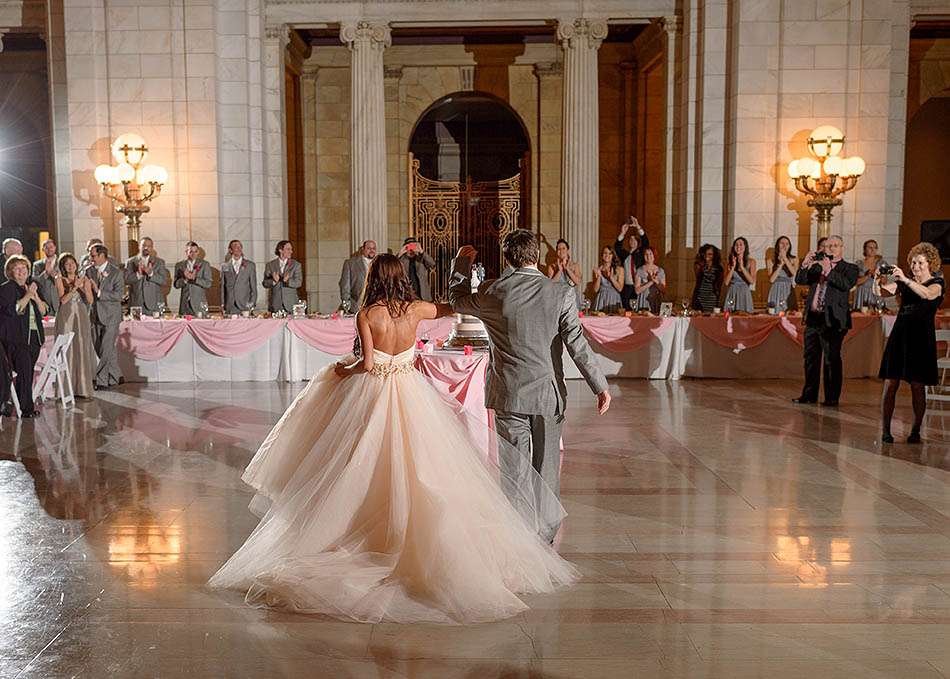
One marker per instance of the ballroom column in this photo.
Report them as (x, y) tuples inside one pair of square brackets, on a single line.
[(580, 166), (367, 41)]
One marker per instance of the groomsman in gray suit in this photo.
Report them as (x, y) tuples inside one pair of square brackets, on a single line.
[(282, 276), (192, 277), (529, 319), (45, 273), (238, 281), (105, 315), (353, 277), (146, 276)]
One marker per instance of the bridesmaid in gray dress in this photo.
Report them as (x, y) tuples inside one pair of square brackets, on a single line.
[(75, 296), (740, 275), (782, 270), (567, 271), (608, 282), (864, 291)]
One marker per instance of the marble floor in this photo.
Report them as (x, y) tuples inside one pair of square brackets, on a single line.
[(723, 532)]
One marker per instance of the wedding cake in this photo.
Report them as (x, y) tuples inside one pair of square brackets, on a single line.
[(467, 330)]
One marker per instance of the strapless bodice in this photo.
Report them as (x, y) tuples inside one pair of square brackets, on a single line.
[(385, 364)]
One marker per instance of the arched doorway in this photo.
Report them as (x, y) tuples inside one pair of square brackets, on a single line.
[(468, 180)]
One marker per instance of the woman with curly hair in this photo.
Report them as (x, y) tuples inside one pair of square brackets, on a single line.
[(911, 351), (709, 275)]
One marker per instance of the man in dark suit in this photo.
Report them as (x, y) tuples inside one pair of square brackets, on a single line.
[(630, 257), (827, 318)]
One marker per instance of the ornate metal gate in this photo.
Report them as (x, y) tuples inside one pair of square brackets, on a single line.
[(445, 215)]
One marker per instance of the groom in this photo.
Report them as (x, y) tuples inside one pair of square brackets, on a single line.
[(529, 318)]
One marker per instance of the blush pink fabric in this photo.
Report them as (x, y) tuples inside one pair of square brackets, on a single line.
[(329, 335), (618, 333), (150, 340), (233, 337), (794, 328), (735, 332)]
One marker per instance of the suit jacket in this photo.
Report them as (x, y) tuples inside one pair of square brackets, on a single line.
[(840, 280), (352, 280), (238, 290), (638, 257), (423, 265), (283, 296), (106, 306), (46, 285), (15, 327), (147, 291), (529, 319), (192, 292)]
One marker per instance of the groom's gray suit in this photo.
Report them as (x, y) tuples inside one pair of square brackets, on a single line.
[(529, 319)]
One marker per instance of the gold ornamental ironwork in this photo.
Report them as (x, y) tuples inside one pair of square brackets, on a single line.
[(446, 214)]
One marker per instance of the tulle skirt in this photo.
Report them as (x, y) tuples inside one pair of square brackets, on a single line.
[(378, 507)]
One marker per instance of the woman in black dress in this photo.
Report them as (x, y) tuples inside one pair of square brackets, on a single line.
[(911, 351), (709, 275)]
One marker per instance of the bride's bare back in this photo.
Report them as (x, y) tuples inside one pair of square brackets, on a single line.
[(395, 335)]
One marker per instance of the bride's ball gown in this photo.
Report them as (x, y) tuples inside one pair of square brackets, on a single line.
[(379, 507)]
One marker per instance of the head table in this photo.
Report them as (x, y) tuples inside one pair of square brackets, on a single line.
[(293, 349)]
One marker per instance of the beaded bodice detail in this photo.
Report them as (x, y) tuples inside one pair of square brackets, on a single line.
[(387, 365)]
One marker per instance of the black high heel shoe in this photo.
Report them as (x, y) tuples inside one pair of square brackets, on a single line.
[(887, 438), (914, 436)]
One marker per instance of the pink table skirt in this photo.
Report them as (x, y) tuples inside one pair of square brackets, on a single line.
[(746, 332)]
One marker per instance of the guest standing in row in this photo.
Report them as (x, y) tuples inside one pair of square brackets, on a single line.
[(75, 298), (21, 328), (417, 265), (192, 277), (11, 247), (608, 282), (146, 275), (353, 276), (911, 351), (782, 270), (566, 270), (864, 295), (108, 286), (630, 257), (238, 281), (282, 276), (740, 276), (650, 283), (827, 319), (45, 273), (709, 274)]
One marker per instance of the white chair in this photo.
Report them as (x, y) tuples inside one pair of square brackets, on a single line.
[(14, 397), (56, 372), (939, 392)]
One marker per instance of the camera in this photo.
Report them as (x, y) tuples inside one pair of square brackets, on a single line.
[(885, 269), (820, 256)]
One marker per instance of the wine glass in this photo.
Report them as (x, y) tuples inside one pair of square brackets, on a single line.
[(345, 307), (203, 310)]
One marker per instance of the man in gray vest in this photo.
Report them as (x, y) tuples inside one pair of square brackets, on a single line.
[(238, 281), (192, 277), (529, 319), (105, 314), (146, 276), (45, 273), (283, 276), (353, 277)]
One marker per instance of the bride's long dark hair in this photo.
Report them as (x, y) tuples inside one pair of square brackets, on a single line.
[(388, 285)]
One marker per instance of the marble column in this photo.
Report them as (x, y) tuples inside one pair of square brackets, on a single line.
[(367, 41), (580, 162)]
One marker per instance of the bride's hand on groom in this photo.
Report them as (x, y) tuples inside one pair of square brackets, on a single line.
[(603, 402)]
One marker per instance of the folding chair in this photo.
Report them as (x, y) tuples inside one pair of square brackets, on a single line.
[(939, 392), (56, 371)]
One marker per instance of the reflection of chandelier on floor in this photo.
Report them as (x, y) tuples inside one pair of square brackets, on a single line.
[(130, 185), (826, 178)]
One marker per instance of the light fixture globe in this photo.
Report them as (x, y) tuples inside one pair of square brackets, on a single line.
[(125, 172), (105, 174), (826, 140), (793, 170), (855, 165), (129, 148), (834, 165)]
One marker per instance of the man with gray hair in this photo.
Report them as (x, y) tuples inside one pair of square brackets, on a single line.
[(11, 246), (146, 275), (530, 319), (827, 318), (353, 277)]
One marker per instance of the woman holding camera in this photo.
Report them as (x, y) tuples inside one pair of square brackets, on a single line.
[(911, 351)]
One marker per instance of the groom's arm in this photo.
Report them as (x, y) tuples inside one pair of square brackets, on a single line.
[(572, 334)]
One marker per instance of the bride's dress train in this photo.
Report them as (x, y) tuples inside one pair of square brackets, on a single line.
[(380, 508)]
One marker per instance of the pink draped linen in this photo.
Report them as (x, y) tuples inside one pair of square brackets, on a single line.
[(619, 333), (735, 332), (233, 337), (794, 328), (150, 340), (329, 335), (437, 329)]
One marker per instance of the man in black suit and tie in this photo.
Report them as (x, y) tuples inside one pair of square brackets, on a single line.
[(827, 318)]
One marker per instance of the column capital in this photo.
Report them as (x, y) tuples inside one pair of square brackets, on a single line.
[(670, 24), (581, 32), (376, 36), (549, 69), (309, 70), (278, 32)]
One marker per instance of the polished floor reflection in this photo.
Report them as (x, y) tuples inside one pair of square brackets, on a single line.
[(723, 531)]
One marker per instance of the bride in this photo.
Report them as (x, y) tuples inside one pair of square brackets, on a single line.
[(377, 506)]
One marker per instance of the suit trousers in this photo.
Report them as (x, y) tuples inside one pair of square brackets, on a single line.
[(822, 354), (536, 438), (104, 338), (628, 296)]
